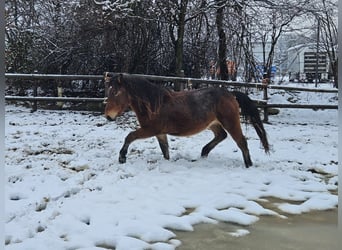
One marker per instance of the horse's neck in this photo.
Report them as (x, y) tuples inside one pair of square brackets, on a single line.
[(141, 109), (187, 92)]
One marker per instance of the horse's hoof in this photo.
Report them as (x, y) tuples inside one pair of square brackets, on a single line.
[(122, 159), (249, 164)]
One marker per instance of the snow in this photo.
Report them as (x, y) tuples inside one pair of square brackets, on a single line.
[(66, 190), (239, 233)]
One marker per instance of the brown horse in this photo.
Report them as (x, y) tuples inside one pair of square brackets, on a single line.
[(161, 112)]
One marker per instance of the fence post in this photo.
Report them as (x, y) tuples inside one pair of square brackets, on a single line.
[(59, 93), (265, 86), (106, 87), (35, 94), (179, 85)]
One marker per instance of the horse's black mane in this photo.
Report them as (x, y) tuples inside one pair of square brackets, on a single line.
[(149, 96)]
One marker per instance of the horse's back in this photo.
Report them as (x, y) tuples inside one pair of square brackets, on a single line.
[(189, 112)]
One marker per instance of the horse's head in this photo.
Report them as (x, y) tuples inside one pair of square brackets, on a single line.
[(117, 98)]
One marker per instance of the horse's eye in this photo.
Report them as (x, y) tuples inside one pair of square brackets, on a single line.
[(110, 91), (114, 92)]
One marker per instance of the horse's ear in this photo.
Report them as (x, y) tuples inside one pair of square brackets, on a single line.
[(107, 76), (120, 78)]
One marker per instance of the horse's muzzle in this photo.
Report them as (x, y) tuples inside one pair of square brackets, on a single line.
[(109, 118)]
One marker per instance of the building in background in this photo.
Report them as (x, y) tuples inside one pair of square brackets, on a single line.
[(261, 53), (302, 63)]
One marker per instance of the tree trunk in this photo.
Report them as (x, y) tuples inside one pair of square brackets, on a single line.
[(222, 50), (335, 72), (179, 43)]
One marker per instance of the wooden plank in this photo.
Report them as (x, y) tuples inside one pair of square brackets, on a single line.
[(196, 80), (167, 79), (260, 103), (290, 88), (52, 76), (297, 106), (53, 99)]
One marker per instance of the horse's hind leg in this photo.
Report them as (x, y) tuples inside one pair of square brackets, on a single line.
[(220, 135), (242, 144), (234, 129), (164, 145), (241, 141)]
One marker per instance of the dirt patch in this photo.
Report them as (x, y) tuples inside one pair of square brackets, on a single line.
[(314, 230)]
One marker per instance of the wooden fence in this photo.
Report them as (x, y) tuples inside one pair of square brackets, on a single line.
[(186, 83)]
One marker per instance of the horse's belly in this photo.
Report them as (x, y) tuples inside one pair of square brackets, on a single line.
[(186, 120), (190, 128)]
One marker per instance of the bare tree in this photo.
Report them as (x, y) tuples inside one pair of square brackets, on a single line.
[(155, 36), (272, 19), (322, 30), (329, 33), (197, 36)]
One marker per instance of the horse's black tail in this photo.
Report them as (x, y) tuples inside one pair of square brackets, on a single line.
[(250, 111)]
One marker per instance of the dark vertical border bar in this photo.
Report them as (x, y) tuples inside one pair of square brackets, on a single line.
[(339, 122), (2, 124)]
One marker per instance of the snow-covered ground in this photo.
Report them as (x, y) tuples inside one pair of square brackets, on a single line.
[(66, 190)]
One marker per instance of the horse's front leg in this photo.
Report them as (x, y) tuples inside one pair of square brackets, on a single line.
[(164, 145), (137, 134), (220, 135)]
